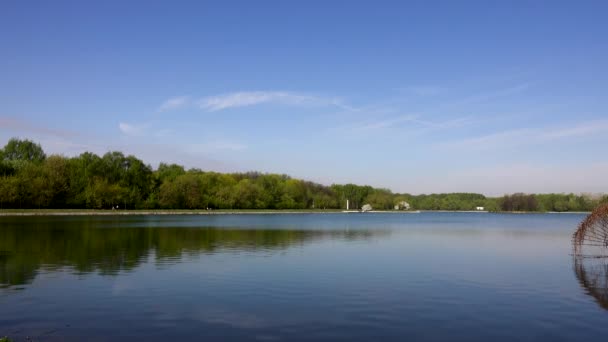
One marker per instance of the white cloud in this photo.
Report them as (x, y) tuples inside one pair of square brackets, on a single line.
[(174, 103), (250, 98)]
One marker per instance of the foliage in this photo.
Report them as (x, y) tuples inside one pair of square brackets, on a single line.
[(452, 201), (30, 179), (519, 202), (17, 149)]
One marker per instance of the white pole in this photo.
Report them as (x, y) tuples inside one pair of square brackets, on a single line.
[(346, 204)]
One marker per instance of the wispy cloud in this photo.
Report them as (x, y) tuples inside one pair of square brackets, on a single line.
[(217, 145), (70, 147), (384, 116), (28, 127), (491, 95), (423, 90), (524, 177), (530, 135), (251, 98), (582, 129), (369, 125), (415, 121), (447, 123), (174, 103), (131, 129), (493, 140)]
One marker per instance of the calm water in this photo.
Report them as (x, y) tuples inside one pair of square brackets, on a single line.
[(428, 276)]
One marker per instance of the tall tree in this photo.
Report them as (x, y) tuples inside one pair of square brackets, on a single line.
[(23, 150)]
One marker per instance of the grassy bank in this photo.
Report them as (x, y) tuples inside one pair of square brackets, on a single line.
[(96, 212)]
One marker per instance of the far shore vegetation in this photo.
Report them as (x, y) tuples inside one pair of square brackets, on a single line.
[(29, 179)]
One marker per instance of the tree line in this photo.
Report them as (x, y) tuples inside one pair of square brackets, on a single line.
[(31, 179)]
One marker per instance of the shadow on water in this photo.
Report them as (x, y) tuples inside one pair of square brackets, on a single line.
[(28, 247), (592, 274)]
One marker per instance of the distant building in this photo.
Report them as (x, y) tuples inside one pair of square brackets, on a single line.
[(403, 205), (366, 207), (480, 208)]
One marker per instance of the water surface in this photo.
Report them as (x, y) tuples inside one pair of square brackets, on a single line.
[(427, 276)]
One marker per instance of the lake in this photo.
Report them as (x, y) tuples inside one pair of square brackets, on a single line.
[(299, 277)]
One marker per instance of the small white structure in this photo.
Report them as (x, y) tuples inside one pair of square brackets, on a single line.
[(480, 208), (366, 207), (403, 205)]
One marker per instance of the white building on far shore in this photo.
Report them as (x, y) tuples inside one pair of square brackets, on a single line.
[(403, 205)]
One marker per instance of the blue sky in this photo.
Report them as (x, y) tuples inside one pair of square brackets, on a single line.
[(429, 96)]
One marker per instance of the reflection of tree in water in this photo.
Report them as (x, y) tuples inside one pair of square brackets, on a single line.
[(81, 245), (592, 273), (591, 254)]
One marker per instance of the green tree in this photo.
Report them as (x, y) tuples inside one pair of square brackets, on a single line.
[(248, 195), (25, 150), (169, 171), (9, 191), (137, 178), (183, 192), (56, 177), (6, 169), (28, 179), (381, 199)]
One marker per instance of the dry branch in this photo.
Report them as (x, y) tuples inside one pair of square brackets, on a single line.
[(593, 232)]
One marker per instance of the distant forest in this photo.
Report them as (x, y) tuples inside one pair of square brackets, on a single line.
[(31, 179)]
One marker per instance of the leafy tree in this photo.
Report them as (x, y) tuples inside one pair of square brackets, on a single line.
[(381, 199), (169, 171), (223, 192), (104, 194), (248, 195), (81, 172), (6, 168), (137, 178), (25, 150), (9, 191), (56, 179), (190, 188), (519, 202), (28, 179), (183, 192)]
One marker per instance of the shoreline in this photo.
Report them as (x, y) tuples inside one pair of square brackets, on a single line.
[(87, 212), (96, 212)]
